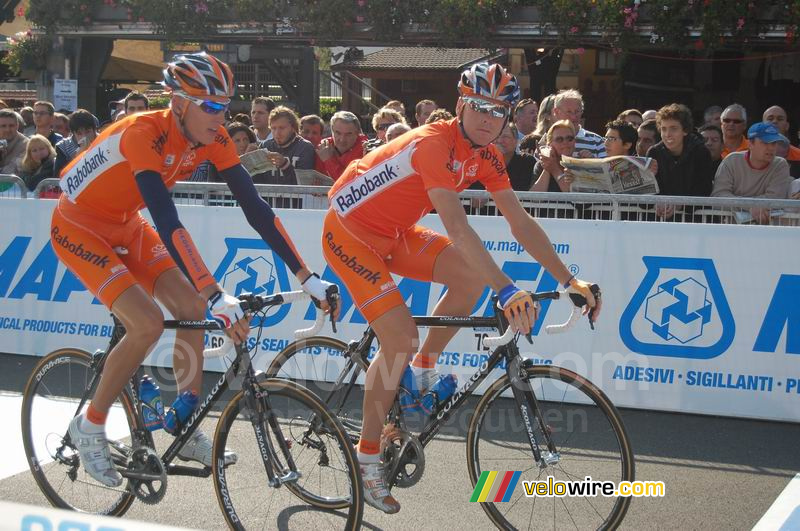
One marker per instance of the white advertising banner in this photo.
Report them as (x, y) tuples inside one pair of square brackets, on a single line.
[(696, 318)]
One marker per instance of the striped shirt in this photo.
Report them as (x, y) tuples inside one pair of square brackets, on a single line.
[(592, 142)]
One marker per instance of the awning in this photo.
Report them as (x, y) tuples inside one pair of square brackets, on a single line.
[(125, 70)]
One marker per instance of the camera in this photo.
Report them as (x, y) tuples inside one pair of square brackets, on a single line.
[(3, 144)]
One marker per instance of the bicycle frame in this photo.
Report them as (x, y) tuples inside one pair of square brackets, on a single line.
[(525, 400), (241, 366)]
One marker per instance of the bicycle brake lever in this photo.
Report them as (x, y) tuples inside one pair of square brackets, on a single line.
[(332, 296)]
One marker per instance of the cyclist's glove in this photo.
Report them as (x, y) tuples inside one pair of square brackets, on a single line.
[(225, 309), (590, 294), (316, 287), (518, 306)]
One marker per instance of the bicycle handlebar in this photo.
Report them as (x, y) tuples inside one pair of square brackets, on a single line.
[(255, 303), (578, 302)]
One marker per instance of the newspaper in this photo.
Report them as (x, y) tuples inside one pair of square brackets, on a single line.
[(312, 178), (612, 175), (256, 162)]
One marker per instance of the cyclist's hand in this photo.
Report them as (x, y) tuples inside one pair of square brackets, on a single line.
[(519, 308), (584, 289), (227, 311), (318, 288)]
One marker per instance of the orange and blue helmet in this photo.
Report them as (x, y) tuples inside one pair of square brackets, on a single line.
[(199, 75), (489, 82)]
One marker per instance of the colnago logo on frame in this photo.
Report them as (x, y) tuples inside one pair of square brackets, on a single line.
[(678, 310)]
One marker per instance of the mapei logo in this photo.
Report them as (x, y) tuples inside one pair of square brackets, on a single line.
[(247, 267), (678, 310)]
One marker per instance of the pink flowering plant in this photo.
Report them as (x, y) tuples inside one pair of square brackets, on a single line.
[(26, 51), (619, 24)]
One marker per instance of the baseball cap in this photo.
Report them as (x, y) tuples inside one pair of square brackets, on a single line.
[(766, 132)]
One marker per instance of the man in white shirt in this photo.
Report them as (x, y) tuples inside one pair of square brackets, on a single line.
[(569, 106)]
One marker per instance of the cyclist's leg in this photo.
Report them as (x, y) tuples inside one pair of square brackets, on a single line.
[(425, 255), (182, 301), (369, 282), (85, 244)]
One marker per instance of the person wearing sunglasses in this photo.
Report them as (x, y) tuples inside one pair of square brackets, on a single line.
[(733, 122), (371, 230), (559, 141), (98, 232), (381, 121)]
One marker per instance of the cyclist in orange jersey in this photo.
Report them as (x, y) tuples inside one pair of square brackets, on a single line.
[(371, 231), (99, 234)]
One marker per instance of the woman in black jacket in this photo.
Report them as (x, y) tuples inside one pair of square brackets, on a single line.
[(684, 163)]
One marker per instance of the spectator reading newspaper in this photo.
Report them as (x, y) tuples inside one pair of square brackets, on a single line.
[(612, 175)]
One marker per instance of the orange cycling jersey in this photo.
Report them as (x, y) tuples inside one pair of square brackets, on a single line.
[(386, 192), (102, 180), (371, 231)]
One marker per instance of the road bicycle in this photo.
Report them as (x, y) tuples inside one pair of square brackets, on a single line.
[(540, 420), (283, 434)]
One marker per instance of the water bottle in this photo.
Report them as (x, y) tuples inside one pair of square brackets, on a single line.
[(408, 394), (152, 407), (441, 391), (181, 410)]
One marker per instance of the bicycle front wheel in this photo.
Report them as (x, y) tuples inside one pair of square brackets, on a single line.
[(320, 450), (589, 437), (57, 385)]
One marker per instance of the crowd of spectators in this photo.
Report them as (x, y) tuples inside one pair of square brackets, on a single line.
[(727, 155)]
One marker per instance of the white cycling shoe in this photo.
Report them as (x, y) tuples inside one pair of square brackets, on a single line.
[(199, 448), (375, 492), (94, 453)]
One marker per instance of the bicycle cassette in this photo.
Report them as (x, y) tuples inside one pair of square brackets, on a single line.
[(147, 476), (403, 457)]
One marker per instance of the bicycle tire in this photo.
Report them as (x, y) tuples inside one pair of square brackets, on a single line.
[(60, 403), (300, 362), (292, 404), (507, 449)]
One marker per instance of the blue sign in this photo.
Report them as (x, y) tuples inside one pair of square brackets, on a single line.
[(678, 300)]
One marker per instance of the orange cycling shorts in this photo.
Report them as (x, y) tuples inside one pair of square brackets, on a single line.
[(85, 243), (364, 261)]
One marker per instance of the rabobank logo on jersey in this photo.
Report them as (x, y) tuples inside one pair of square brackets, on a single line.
[(377, 179), (92, 164), (678, 310)]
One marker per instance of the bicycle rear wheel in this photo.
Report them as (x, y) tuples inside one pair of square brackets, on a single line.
[(320, 449), (56, 386), (317, 363), (589, 437)]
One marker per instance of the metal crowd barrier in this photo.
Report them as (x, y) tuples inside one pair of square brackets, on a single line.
[(619, 207), (12, 186)]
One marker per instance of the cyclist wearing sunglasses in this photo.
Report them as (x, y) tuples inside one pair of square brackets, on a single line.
[(371, 231), (100, 235)]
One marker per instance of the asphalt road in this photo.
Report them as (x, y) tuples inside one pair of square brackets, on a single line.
[(719, 473)]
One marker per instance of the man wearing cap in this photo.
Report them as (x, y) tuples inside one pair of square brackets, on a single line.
[(756, 172)]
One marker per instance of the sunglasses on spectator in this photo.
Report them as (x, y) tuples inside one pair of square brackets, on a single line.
[(384, 127), (487, 107), (610, 138), (732, 121), (208, 106), (560, 139)]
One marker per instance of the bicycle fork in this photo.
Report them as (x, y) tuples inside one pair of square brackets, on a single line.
[(257, 401), (529, 410)]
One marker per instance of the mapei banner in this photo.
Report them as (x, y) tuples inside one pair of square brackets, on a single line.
[(696, 318)]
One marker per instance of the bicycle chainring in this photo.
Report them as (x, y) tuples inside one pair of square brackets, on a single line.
[(151, 486), (403, 457)]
